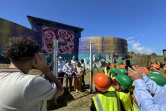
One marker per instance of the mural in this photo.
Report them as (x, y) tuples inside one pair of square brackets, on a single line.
[(99, 60), (65, 39), (65, 57), (10, 29)]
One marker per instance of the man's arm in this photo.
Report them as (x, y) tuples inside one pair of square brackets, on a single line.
[(145, 100), (40, 63), (52, 78), (151, 85), (64, 68), (39, 89)]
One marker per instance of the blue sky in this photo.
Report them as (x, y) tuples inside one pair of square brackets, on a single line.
[(142, 22)]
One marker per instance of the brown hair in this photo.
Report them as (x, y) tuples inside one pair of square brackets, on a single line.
[(79, 64)]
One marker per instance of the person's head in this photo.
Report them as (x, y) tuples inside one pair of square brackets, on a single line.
[(107, 64), (74, 58), (101, 82), (154, 68), (78, 64), (116, 85), (82, 60), (134, 64), (21, 52), (60, 58), (123, 82), (68, 62)]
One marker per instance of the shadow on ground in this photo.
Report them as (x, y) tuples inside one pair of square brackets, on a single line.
[(67, 97)]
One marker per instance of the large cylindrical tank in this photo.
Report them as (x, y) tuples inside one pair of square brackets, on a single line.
[(103, 44)]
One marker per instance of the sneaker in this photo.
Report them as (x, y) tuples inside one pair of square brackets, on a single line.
[(76, 90)]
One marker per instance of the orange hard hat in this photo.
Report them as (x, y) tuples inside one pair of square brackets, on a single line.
[(137, 66), (122, 66), (101, 81), (144, 70), (155, 66), (164, 67), (112, 65)]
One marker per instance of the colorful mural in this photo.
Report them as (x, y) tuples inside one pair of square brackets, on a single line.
[(9, 29), (99, 60), (65, 39)]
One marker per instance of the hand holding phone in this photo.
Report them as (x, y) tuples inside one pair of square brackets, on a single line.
[(128, 64)]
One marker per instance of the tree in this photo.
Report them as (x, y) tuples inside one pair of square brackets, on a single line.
[(132, 52), (153, 54)]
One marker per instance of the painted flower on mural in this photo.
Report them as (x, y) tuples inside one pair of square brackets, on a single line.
[(65, 40), (48, 36)]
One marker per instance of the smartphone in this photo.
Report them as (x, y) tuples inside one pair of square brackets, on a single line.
[(128, 64)]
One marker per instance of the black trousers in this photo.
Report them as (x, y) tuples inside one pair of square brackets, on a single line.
[(69, 80), (83, 81), (61, 75)]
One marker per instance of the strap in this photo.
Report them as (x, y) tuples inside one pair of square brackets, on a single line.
[(10, 70), (98, 103), (67, 67), (135, 105), (119, 108)]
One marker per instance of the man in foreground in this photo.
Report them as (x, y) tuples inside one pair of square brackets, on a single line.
[(142, 87), (20, 91)]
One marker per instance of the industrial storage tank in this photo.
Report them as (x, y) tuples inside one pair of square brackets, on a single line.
[(103, 44), (104, 48)]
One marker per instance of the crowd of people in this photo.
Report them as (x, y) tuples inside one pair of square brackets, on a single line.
[(71, 69), (129, 88), (120, 87)]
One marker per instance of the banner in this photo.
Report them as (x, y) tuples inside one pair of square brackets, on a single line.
[(64, 37)]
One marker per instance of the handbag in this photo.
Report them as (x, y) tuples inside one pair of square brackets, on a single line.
[(69, 73)]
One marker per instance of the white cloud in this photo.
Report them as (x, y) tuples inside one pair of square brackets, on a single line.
[(130, 41), (137, 47), (129, 38)]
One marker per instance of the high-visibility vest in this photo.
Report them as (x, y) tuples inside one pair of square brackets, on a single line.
[(111, 76), (106, 72), (135, 107), (111, 88), (107, 102), (126, 101)]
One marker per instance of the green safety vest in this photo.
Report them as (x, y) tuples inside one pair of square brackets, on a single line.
[(126, 101), (107, 102), (106, 72)]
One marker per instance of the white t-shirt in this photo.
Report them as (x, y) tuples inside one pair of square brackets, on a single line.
[(60, 66), (68, 68), (73, 62), (23, 92)]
